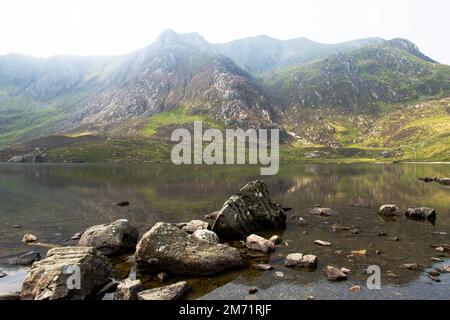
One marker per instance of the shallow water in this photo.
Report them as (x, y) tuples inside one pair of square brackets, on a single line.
[(56, 201)]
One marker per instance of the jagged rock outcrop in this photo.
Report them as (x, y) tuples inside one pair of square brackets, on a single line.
[(250, 210)]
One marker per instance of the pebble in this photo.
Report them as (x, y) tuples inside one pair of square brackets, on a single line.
[(396, 239), (355, 288), (29, 238), (279, 274), (359, 253), (262, 267), (310, 298), (436, 259), (17, 226), (440, 249), (322, 243)]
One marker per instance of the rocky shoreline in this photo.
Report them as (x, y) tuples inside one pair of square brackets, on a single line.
[(171, 251)]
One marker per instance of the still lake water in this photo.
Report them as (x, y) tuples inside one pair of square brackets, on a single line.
[(56, 201)]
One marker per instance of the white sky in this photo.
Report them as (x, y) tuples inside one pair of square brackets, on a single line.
[(49, 27)]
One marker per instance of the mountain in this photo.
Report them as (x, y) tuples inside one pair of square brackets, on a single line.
[(262, 53), (368, 78), (337, 96)]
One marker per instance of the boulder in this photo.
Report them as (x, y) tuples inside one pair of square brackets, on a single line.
[(195, 225), (298, 260), (422, 213), (322, 212), (173, 292), (111, 239), (444, 181), (257, 243), (69, 273), (335, 274), (389, 210), (167, 248), (251, 210), (207, 235), (29, 238), (128, 290), (28, 258)]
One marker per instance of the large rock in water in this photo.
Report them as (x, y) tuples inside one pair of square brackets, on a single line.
[(251, 210), (173, 292), (422, 213), (69, 273), (110, 239), (167, 248)]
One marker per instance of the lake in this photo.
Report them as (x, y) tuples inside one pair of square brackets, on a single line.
[(55, 201)]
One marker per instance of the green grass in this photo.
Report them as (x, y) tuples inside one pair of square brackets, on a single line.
[(176, 116)]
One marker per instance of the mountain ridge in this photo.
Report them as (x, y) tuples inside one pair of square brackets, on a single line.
[(252, 82)]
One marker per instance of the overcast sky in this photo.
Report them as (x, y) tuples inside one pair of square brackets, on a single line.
[(49, 27)]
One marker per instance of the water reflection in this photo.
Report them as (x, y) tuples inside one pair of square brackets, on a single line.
[(56, 201)]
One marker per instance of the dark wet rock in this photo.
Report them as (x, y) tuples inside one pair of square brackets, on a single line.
[(162, 277), (123, 204), (257, 243), (108, 288), (29, 238), (335, 274), (261, 266), (427, 179), (167, 248), (10, 296), (251, 210), (28, 258), (322, 212), (195, 225), (434, 273), (128, 290), (389, 210), (48, 279), (276, 239), (443, 181), (76, 236), (207, 235), (360, 205), (173, 292), (111, 239), (252, 290), (396, 239), (299, 260), (382, 234), (435, 279), (287, 209), (422, 213), (412, 266), (378, 252)]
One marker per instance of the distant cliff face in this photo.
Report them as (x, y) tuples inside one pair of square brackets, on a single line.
[(254, 82)]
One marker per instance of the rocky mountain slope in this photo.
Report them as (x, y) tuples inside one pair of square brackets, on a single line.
[(325, 96)]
